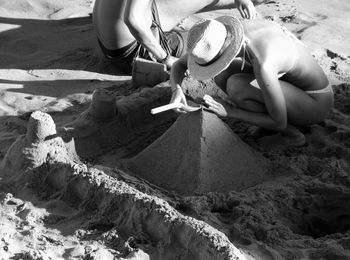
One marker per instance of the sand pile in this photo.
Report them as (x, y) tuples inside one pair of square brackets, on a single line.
[(64, 196), (33, 149), (113, 120), (200, 153), (45, 164)]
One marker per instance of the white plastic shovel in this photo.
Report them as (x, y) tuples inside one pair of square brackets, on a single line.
[(172, 106)]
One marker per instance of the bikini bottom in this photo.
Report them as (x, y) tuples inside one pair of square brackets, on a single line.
[(327, 89)]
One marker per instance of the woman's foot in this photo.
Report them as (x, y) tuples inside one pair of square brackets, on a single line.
[(291, 137)]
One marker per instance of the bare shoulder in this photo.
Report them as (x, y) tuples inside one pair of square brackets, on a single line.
[(269, 43)]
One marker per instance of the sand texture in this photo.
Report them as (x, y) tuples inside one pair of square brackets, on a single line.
[(87, 172), (199, 153)]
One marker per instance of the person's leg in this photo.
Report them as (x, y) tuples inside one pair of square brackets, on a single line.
[(290, 137), (233, 69), (244, 94), (302, 108)]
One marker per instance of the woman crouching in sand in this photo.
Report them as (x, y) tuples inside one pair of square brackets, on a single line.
[(270, 78)]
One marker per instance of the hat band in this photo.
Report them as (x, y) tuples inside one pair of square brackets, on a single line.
[(223, 48)]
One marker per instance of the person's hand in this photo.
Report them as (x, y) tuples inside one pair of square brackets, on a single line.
[(170, 61), (217, 106), (178, 97), (246, 8)]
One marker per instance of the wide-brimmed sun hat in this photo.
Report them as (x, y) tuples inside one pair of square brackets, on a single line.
[(212, 45)]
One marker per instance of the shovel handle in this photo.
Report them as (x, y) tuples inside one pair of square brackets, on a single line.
[(165, 108)]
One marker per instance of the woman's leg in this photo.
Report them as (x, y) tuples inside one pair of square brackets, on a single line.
[(232, 70), (302, 108), (242, 91)]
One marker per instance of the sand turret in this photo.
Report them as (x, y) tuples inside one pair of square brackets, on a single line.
[(31, 150), (103, 106), (40, 127)]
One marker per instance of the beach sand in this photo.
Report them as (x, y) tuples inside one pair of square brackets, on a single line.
[(67, 190)]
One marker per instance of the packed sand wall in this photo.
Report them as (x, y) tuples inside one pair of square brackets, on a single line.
[(132, 212)]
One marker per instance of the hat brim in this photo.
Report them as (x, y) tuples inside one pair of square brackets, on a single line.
[(203, 72)]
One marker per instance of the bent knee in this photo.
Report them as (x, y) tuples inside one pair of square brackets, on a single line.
[(236, 86)]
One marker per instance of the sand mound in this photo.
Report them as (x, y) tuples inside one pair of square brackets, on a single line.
[(53, 206), (113, 120), (198, 154), (46, 164)]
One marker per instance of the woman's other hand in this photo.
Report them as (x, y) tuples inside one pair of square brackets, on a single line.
[(246, 9)]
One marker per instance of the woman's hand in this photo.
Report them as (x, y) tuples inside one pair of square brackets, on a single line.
[(170, 61), (178, 97), (219, 106), (246, 8)]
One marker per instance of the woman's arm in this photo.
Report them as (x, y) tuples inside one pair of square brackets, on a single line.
[(267, 77), (276, 115), (140, 27), (245, 7), (266, 65), (178, 71), (177, 75), (224, 109)]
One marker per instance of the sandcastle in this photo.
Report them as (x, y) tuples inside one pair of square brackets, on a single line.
[(40, 127), (112, 120), (40, 143), (198, 154), (109, 200)]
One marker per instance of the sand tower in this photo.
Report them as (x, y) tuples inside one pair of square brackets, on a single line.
[(31, 150), (40, 127), (103, 106), (200, 153)]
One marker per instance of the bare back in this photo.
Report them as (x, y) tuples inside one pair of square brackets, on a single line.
[(108, 19), (273, 44)]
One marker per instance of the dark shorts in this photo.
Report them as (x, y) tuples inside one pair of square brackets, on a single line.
[(123, 58)]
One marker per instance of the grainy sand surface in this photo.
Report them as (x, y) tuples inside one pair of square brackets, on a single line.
[(66, 191)]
